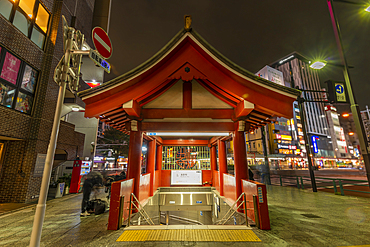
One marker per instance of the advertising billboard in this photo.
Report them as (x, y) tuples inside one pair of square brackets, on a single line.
[(272, 75)]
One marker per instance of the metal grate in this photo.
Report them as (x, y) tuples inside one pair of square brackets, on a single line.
[(186, 158)]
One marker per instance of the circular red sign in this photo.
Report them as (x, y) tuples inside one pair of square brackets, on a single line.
[(102, 42)]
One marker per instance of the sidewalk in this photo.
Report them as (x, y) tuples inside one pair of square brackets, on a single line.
[(298, 218)]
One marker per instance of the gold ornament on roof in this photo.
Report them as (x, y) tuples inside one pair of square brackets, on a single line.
[(187, 19)]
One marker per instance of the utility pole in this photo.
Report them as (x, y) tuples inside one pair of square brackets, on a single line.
[(67, 72), (365, 149), (307, 143)]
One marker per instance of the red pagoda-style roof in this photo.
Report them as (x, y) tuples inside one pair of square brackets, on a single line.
[(188, 85)]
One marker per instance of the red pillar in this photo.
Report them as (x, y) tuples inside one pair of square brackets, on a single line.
[(222, 162), (213, 162), (240, 160), (134, 159), (159, 163), (151, 163)]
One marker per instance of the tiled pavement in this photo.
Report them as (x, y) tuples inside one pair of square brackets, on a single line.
[(298, 218)]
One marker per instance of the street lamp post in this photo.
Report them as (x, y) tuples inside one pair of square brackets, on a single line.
[(354, 106)]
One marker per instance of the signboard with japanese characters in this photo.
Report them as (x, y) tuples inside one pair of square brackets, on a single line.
[(186, 177)]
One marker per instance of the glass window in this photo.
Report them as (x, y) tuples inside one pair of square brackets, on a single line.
[(29, 79), (6, 95), (21, 22), (42, 18), (38, 37), (10, 68), (27, 6), (24, 103), (5, 8)]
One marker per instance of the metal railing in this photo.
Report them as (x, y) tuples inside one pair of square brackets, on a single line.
[(140, 209), (322, 183), (232, 211)]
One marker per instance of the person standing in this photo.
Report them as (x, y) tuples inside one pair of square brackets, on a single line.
[(92, 179)]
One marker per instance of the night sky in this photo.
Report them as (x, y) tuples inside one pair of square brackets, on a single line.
[(251, 33)]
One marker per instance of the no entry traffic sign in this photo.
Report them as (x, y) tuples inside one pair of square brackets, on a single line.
[(102, 42)]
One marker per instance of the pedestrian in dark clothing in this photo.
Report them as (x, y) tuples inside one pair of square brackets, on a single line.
[(93, 178)]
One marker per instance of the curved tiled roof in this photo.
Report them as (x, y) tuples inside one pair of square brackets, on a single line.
[(170, 45)]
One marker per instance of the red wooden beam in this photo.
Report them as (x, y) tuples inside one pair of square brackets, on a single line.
[(132, 108), (191, 113), (243, 109), (185, 142), (186, 126)]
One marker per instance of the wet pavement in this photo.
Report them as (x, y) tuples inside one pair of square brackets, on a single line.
[(298, 218)]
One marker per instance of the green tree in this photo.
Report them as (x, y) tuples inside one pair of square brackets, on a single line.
[(117, 141)]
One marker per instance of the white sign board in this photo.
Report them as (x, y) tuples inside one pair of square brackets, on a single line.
[(272, 75), (186, 177), (39, 166)]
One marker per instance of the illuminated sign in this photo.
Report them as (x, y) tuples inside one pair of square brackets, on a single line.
[(339, 91), (186, 177), (283, 137), (287, 147), (314, 144)]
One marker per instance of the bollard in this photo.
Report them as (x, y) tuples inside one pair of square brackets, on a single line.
[(256, 214), (281, 181), (302, 183), (297, 182)]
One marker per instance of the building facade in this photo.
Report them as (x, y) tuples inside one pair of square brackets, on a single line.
[(298, 74), (31, 43)]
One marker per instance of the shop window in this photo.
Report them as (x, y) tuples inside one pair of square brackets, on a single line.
[(37, 37), (22, 14), (23, 103), (17, 82), (42, 18), (21, 22), (27, 6), (29, 79), (6, 95), (10, 68), (5, 8)]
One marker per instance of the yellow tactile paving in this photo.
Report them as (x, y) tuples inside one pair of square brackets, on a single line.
[(366, 245), (204, 235)]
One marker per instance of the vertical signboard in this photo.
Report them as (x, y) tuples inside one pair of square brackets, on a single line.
[(314, 144), (340, 92)]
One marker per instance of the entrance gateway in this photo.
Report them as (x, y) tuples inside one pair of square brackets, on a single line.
[(187, 101)]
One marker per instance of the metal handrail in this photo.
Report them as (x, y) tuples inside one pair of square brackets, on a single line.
[(140, 209), (232, 211), (334, 187)]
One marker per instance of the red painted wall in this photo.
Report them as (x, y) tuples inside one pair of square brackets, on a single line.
[(144, 188), (251, 188), (165, 180), (216, 179), (157, 180), (230, 188), (207, 177), (118, 189)]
